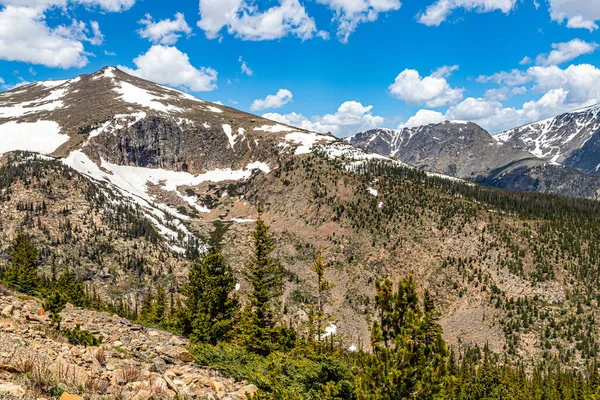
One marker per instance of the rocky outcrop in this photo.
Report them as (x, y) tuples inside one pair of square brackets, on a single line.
[(133, 362)]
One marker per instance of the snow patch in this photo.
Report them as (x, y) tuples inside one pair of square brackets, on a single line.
[(214, 109), (40, 136), (305, 140), (274, 128), (373, 192), (133, 94)]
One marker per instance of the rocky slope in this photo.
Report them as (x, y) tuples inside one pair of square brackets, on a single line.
[(192, 175), (467, 151), (570, 139), (133, 362)]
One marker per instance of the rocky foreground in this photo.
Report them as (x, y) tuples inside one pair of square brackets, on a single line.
[(133, 362)]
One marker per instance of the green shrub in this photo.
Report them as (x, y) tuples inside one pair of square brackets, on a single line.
[(78, 337)]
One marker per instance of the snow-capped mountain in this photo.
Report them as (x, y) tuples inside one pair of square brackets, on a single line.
[(570, 139), (153, 144), (460, 149), (467, 151)]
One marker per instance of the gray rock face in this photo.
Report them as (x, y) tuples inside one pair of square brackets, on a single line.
[(467, 151), (464, 150), (570, 139)]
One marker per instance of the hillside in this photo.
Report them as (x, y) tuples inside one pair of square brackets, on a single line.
[(506, 267)]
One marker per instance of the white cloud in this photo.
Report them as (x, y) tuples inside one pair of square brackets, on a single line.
[(166, 31), (525, 61), (245, 21), (439, 11), (78, 30), (169, 66), (444, 71), (433, 90), (26, 36), (423, 117), (561, 90), (351, 117), (514, 77), (245, 68), (566, 51), (578, 13), (350, 13), (278, 100), (105, 5)]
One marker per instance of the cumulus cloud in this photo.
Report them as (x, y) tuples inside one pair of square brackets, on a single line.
[(561, 90), (433, 90), (439, 11), (566, 51), (423, 117), (278, 100), (246, 70), (525, 61), (349, 14), (351, 117), (166, 31), (247, 22), (169, 66), (26, 36), (577, 13)]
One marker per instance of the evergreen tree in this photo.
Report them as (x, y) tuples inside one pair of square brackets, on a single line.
[(210, 308), (71, 289), (257, 329), (323, 289), (410, 358), (22, 273), (159, 308)]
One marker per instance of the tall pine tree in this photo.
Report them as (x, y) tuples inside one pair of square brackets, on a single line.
[(22, 273), (410, 358), (210, 308), (263, 272)]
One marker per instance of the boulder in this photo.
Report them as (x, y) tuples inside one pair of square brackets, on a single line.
[(69, 396), (11, 389)]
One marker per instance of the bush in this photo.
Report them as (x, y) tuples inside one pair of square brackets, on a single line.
[(83, 338), (300, 373)]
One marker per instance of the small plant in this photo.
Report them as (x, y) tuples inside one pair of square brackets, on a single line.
[(131, 373), (83, 338), (100, 356)]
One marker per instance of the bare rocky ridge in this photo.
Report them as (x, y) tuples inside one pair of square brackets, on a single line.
[(133, 362), (570, 138), (467, 151)]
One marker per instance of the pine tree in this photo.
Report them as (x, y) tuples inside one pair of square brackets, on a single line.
[(410, 358), (22, 274), (210, 308), (159, 308), (257, 328), (71, 289), (323, 289)]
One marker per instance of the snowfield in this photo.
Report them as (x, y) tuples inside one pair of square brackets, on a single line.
[(133, 94), (41, 137)]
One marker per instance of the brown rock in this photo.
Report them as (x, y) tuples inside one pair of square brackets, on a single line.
[(69, 396), (185, 355), (41, 312), (247, 391), (218, 388), (12, 389), (142, 395)]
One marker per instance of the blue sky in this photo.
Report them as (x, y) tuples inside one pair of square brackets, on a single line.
[(329, 65)]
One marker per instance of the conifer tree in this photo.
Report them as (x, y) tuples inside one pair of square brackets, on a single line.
[(257, 328), (410, 358), (210, 307), (22, 273), (323, 289), (159, 308)]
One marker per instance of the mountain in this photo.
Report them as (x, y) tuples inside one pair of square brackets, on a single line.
[(570, 139), (467, 151), (136, 179)]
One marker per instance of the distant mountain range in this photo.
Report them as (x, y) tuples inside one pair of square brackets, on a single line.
[(556, 156)]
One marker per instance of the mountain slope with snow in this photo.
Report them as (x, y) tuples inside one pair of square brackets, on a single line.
[(467, 151), (569, 139)]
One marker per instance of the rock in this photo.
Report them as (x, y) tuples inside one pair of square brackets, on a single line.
[(185, 355), (69, 396), (143, 394), (247, 391), (41, 312), (218, 388), (117, 343), (12, 389), (8, 311)]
